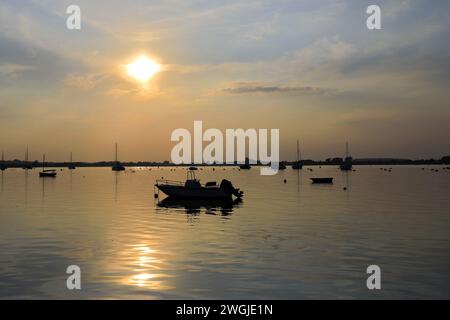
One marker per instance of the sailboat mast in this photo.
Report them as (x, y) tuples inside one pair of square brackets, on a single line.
[(116, 151), (43, 162), (298, 151)]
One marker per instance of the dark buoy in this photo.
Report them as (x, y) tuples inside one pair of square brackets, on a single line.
[(345, 188), (284, 180)]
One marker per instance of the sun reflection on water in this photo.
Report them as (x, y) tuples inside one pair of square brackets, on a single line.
[(144, 264)]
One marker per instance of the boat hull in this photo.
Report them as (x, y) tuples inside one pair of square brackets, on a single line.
[(322, 180), (47, 174), (346, 167), (181, 192)]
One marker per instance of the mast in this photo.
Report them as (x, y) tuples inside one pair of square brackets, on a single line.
[(43, 162), (116, 152), (346, 149), (298, 151)]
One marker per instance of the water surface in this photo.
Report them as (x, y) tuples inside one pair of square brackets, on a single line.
[(288, 240)]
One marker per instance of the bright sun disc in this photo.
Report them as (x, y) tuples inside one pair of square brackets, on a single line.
[(143, 68)]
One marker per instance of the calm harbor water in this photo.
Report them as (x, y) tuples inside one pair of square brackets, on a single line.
[(283, 241)]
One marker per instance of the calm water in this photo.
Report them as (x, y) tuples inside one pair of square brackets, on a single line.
[(293, 240)]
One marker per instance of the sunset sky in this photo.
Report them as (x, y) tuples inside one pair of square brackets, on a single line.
[(310, 68)]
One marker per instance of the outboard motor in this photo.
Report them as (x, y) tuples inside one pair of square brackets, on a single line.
[(228, 187)]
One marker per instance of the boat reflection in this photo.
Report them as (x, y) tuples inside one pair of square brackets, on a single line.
[(195, 206)]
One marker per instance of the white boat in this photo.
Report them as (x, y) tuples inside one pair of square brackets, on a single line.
[(193, 189)]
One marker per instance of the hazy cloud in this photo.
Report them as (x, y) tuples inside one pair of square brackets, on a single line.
[(84, 81), (255, 88)]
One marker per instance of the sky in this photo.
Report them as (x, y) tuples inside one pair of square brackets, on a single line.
[(309, 68)]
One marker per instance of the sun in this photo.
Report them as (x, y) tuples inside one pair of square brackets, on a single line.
[(143, 68)]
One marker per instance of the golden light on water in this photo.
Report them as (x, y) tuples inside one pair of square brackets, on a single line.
[(145, 266), (143, 68)]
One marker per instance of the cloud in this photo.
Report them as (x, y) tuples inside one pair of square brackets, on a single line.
[(13, 70), (261, 88), (84, 81)]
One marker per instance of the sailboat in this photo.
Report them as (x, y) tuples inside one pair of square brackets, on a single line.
[(3, 166), (347, 164), (298, 165), (26, 164), (46, 173), (117, 166), (71, 166)]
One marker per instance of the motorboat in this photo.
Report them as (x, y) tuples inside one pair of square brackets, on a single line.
[(193, 189), (47, 174), (322, 180)]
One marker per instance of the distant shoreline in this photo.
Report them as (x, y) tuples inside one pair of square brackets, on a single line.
[(328, 162)]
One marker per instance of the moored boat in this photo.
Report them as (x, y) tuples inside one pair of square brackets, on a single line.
[(3, 166), (347, 164), (322, 180), (50, 173), (117, 166), (193, 189), (246, 165), (71, 166), (26, 164), (298, 165)]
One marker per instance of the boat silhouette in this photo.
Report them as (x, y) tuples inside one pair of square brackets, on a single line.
[(3, 166), (347, 164), (27, 165), (245, 166), (51, 173), (322, 180), (193, 189), (117, 165), (298, 165), (71, 166)]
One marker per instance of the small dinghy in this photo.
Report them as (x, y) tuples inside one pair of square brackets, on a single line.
[(322, 180), (193, 189)]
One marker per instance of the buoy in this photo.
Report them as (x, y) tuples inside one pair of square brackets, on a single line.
[(345, 188), (285, 180)]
